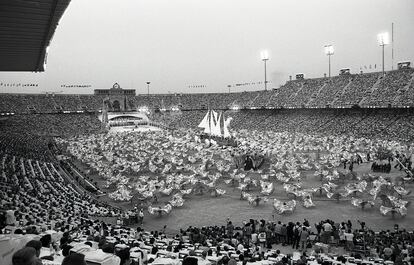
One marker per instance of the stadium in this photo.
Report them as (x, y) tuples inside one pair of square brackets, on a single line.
[(317, 170)]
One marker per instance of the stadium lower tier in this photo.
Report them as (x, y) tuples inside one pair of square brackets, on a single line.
[(48, 201), (32, 134)]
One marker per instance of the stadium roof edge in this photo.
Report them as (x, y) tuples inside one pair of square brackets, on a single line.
[(26, 29)]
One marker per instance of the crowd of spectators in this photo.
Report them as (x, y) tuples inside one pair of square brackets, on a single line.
[(37, 195), (396, 88), (331, 91), (384, 124), (31, 135), (309, 91), (252, 242), (387, 92), (359, 88), (41, 194), (406, 96)]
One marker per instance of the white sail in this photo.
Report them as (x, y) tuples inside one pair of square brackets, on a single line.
[(216, 127), (205, 122), (207, 129), (215, 116), (211, 123)]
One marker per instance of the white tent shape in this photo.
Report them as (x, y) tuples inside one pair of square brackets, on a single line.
[(215, 126), (214, 116), (205, 122)]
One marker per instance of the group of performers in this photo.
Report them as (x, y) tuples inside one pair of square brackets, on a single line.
[(247, 161)]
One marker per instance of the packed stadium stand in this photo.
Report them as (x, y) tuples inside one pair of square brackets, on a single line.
[(73, 192), (362, 104), (395, 89), (55, 203)]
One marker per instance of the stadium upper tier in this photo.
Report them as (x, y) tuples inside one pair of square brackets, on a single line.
[(395, 89)]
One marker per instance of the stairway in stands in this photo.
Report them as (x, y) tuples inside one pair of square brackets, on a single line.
[(315, 95), (339, 95), (252, 102), (268, 102), (403, 90), (373, 88)]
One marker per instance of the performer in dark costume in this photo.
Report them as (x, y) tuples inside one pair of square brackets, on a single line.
[(248, 163)]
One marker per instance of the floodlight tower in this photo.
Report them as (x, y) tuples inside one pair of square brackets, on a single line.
[(329, 50), (148, 83), (383, 39), (265, 56)]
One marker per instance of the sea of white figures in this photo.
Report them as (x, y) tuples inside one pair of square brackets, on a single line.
[(176, 164)]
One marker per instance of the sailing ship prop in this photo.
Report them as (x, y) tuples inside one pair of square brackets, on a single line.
[(216, 129)]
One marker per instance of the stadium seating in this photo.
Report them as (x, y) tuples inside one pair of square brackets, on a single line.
[(395, 89), (46, 196)]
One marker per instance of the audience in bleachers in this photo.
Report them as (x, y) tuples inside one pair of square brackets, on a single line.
[(359, 88), (388, 89), (372, 89), (55, 216), (375, 123)]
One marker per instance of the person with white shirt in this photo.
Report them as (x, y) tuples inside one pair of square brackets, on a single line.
[(240, 247), (10, 218), (254, 238), (349, 237), (141, 216)]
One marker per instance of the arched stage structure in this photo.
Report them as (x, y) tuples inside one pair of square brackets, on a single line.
[(116, 97), (116, 114)]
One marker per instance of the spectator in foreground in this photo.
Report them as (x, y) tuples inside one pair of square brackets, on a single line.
[(74, 259), (26, 256)]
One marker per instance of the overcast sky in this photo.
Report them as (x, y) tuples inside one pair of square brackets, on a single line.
[(175, 44)]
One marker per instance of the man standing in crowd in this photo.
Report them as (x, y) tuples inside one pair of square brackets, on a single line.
[(303, 238), (327, 230), (230, 229), (141, 217), (349, 237)]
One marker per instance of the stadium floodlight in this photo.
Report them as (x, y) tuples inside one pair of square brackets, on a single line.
[(265, 56), (383, 39), (329, 50), (148, 83)]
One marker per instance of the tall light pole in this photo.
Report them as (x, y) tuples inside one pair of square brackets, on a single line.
[(265, 56), (383, 39), (329, 50), (148, 83), (229, 86)]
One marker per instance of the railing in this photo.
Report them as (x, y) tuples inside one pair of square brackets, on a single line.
[(140, 123)]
